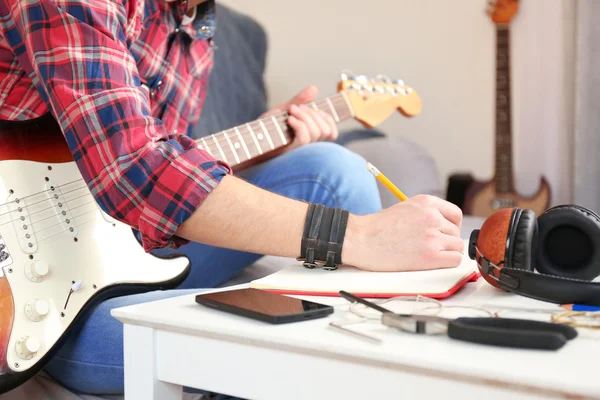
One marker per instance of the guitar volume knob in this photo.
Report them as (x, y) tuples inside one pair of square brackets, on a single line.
[(27, 347), (36, 309), (36, 271)]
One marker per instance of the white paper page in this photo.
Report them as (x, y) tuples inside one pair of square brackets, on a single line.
[(298, 278)]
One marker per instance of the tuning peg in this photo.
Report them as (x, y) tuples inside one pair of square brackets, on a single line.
[(399, 82), (383, 78), (361, 79), (347, 75), (379, 89)]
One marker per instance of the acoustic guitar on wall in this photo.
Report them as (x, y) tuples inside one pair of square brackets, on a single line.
[(480, 198)]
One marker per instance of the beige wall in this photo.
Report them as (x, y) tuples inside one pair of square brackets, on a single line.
[(446, 51)]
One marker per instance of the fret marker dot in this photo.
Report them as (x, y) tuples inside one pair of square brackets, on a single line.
[(236, 145), (260, 136)]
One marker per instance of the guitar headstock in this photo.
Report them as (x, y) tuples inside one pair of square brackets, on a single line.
[(375, 99), (503, 11)]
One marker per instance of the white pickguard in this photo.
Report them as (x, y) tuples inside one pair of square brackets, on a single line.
[(105, 252)]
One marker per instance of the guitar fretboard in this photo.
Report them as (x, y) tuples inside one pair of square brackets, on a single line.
[(250, 140), (504, 170)]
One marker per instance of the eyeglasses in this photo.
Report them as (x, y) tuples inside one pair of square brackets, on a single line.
[(490, 330), (419, 315)]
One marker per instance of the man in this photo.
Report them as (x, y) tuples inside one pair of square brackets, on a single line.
[(126, 80)]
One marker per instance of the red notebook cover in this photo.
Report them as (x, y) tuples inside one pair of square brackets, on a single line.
[(470, 278)]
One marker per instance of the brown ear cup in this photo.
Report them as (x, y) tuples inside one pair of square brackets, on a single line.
[(523, 239), (569, 242), (491, 240)]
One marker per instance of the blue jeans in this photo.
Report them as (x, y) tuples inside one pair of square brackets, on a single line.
[(326, 173)]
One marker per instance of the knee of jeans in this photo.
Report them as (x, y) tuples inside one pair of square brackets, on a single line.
[(345, 171)]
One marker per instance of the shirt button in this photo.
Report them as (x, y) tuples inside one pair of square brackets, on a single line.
[(177, 30), (205, 30)]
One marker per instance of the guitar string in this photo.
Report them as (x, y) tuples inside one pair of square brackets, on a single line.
[(37, 194), (269, 120), (47, 208), (30, 206), (62, 232), (266, 120), (70, 218), (53, 189), (32, 224)]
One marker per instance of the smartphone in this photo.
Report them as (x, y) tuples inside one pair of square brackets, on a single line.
[(264, 306)]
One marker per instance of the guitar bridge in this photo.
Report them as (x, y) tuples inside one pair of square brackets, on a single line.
[(503, 203)]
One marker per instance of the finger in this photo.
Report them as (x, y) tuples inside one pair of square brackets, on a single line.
[(449, 259), (332, 126), (452, 243), (449, 210), (304, 115), (449, 228), (320, 119), (301, 134)]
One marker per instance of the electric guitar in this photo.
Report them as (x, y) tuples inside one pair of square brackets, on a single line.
[(483, 198), (60, 254)]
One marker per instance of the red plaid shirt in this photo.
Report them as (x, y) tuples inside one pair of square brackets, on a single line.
[(125, 80)]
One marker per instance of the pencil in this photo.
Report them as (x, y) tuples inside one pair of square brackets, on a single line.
[(580, 307), (386, 182)]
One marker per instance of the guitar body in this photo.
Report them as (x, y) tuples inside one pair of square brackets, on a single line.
[(53, 234), (482, 199)]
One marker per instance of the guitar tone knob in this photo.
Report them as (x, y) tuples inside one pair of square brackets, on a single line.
[(37, 270), (36, 309), (27, 347)]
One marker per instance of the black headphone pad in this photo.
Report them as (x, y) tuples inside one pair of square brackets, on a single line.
[(523, 238), (569, 243)]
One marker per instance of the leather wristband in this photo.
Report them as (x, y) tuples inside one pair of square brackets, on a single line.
[(323, 237)]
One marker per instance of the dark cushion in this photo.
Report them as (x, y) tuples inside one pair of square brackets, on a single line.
[(236, 91)]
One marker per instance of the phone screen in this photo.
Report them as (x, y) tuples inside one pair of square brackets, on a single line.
[(255, 301)]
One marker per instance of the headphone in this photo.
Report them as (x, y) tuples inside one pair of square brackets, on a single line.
[(563, 245)]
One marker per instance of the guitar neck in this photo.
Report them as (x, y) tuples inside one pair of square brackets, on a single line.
[(247, 141), (503, 168)]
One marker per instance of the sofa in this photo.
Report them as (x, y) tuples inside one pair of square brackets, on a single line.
[(237, 94)]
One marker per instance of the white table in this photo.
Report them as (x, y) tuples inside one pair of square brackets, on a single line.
[(176, 342)]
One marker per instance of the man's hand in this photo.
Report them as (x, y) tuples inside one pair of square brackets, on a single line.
[(420, 233), (308, 124)]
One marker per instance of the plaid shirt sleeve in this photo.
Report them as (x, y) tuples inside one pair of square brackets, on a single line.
[(76, 53)]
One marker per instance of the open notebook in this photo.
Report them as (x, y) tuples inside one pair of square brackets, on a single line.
[(438, 283)]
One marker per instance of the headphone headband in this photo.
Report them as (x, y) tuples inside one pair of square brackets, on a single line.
[(550, 288)]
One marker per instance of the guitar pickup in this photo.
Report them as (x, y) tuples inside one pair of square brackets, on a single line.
[(62, 207), (22, 224)]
